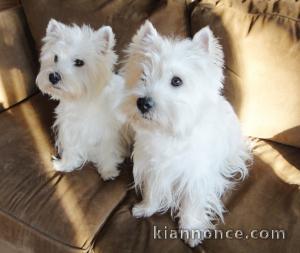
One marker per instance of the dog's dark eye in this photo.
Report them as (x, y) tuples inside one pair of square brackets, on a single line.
[(78, 63), (55, 58), (176, 81)]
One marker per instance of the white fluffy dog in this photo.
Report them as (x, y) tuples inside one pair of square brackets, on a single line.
[(188, 145), (77, 69)]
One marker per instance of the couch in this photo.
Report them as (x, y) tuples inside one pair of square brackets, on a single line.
[(43, 211)]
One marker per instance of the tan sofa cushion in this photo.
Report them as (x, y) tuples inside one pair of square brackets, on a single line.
[(44, 211), (261, 202), (125, 17), (261, 40), (41, 210), (17, 62)]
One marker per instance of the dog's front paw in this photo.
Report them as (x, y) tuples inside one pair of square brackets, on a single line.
[(59, 165), (109, 174), (193, 242), (192, 237), (141, 210)]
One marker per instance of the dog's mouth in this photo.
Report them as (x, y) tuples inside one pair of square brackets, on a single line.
[(56, 87), (147, 116), (51, 89), (141, 117), (146, 122)]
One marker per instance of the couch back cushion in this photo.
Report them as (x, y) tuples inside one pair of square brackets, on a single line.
[(5, 4), (125, 17), (261, 40)]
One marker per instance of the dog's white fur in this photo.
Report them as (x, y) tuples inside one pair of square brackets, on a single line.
[(89, 127), (189, 148)]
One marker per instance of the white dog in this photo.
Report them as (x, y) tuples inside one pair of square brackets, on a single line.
[(77, 69), (188, 145)]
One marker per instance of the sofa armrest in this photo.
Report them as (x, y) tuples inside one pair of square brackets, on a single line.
[(18, 63)]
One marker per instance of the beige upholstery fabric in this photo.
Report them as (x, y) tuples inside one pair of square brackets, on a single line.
[(261, 40), (40, 208), (47, 212), (125, 17)]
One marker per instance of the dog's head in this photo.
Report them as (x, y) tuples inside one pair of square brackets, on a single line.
[(75, 61), (171, 81)]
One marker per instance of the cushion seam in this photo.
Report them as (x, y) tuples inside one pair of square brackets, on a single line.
[(96, 234), (38, 231)]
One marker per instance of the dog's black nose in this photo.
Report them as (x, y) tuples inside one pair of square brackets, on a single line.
[(145, 104), (54, 78)]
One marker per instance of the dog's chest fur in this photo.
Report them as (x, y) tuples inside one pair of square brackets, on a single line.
[(175, 165), (85, 122)]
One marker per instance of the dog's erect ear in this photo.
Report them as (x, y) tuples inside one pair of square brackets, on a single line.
[(145, 31), (106, 36), (206, 41), (54, 27)]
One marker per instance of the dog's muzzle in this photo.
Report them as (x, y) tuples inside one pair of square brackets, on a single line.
[(145, 104), (54, 78)]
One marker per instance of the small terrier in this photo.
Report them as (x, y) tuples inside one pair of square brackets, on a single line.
[(188, 146), (77, 69)]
